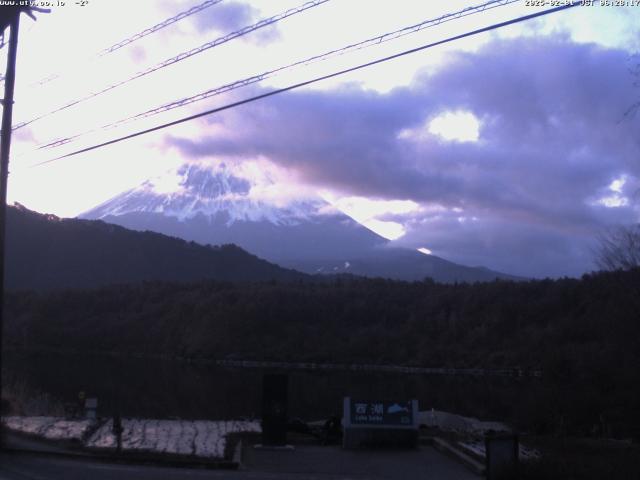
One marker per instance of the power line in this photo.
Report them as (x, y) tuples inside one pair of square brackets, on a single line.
[(184, 55), (270, 73), (314, 80), (139, 35), (159, 26), (317, 58)]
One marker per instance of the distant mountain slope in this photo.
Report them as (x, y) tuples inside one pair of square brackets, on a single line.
[(46, 252), (217, 207), (213, 205), (402, 264)]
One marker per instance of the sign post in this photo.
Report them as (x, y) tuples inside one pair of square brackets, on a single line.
[(274, 410), (91, 408), (380, 423), (502, 451)]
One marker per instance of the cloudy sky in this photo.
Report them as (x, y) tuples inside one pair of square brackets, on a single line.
[(511, 149)]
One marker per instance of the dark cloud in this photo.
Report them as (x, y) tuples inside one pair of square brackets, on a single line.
[(226, 17), (515, 247), (553, 138)]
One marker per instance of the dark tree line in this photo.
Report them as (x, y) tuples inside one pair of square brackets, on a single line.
[(619, 248), (583, 333), (45, 252)]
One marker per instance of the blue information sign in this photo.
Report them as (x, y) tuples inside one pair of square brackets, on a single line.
[(366, 412)]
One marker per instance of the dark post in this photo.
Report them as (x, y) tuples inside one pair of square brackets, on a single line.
[(117, 430), (274, 410), (5, 149), (502, 452)]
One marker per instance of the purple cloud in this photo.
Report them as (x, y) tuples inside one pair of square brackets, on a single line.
[(553, 138), (226, 16)]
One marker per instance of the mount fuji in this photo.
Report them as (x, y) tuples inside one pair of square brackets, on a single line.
[(215, 206)]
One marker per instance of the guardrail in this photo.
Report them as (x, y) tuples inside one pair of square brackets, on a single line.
[(499, 372)]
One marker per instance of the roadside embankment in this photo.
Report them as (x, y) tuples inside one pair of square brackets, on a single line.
[(193, 439)]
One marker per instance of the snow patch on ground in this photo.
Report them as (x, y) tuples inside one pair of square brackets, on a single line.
[(478, 447), (51, 428), (200, 438), (457, 423), (472, 429)]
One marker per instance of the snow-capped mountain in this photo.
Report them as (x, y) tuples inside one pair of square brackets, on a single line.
[(216, 206), (193, 190), (45, 252)]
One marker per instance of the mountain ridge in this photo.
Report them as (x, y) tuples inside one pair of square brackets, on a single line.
[(215, 206), (46, 252)]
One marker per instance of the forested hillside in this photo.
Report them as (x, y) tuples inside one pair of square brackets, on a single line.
[(45, 252), (584, 334), (569, 322)]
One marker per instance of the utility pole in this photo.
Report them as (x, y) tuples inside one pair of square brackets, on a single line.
[(9, 17), (5, 150)]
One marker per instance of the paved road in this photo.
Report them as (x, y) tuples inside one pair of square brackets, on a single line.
[(311, 463), (334, 462)]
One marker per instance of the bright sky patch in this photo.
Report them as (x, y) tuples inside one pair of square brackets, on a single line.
[(456, 126), (618, 184), (616, 198), (368, 212)]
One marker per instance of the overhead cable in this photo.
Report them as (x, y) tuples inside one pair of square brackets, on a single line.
[(312, 81), (159, 26), (270, 73), (139, 35), (317, 58), (182, 56)]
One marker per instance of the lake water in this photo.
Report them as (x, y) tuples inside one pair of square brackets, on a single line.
[(151, 388)]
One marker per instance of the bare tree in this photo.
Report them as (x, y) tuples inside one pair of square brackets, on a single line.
[(634, 70), (619, 248)]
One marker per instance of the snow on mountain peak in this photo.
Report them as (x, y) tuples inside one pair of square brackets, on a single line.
[(193, 190)]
